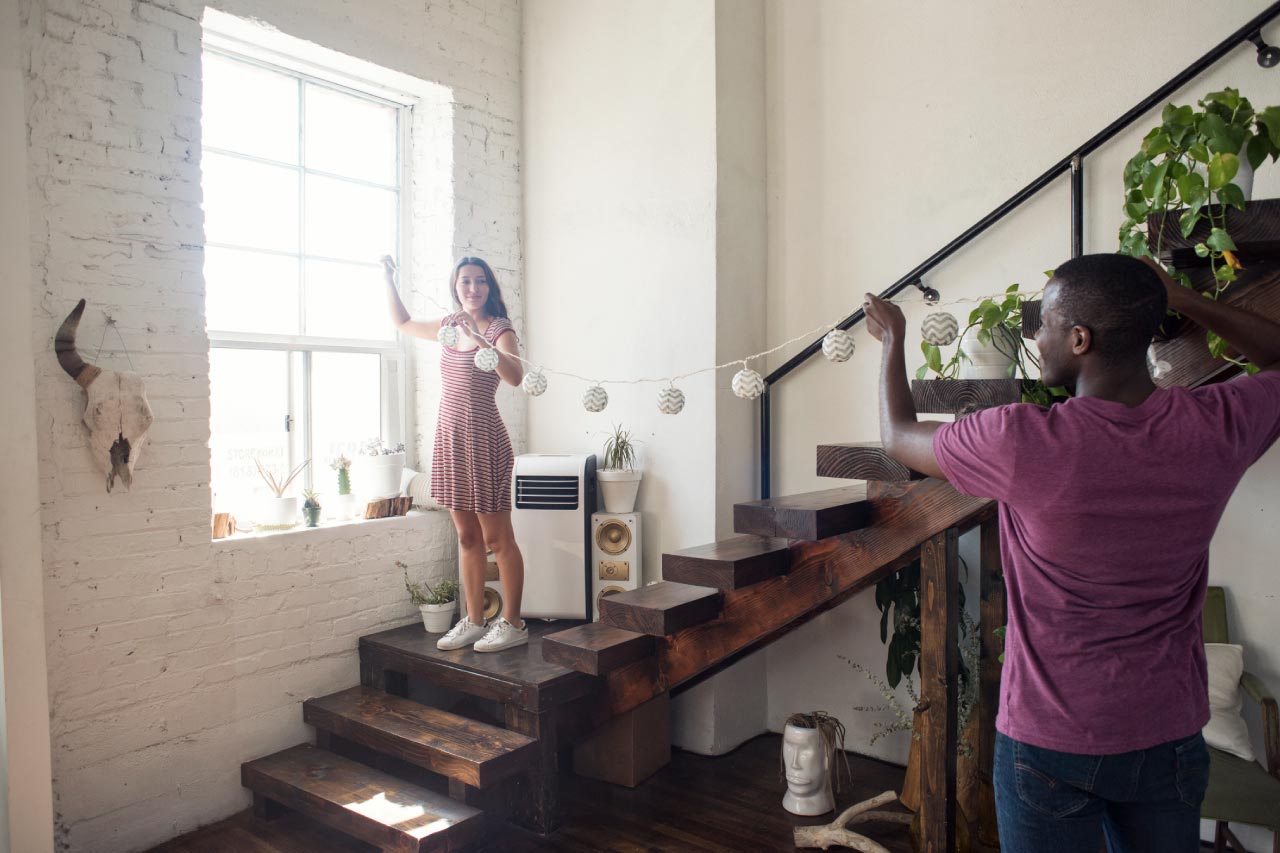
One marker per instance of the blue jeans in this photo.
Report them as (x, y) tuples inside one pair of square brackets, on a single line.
[(1060, 802)]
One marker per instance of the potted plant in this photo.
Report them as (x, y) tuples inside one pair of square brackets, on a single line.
[(436, 603), (380, 470), (619, 481), (282, 510), (311, 507), (1191, 159), (343, 504), (995, 325)]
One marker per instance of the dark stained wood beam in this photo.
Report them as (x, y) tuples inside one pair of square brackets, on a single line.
[(810, 516), (990, 618), (1255, 231), (730, 563), (468, 750), (902, 516), (595, 648), (864, 460), (1190, 364), (939, 673), (325, 787), (660, 609), (962, 397)]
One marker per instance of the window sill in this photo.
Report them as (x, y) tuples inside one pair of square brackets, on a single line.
[(328, 531)]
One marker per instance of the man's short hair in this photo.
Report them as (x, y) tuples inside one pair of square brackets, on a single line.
[(1120, 299)]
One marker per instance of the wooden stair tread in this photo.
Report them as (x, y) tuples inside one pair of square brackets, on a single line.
[(730, 563), (460, 748), (365, 803), (596, 647), (863, 460), (810, 516), (1255, 231), (661, 608), (962, 397)]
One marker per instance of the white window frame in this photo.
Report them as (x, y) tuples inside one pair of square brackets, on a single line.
[(393, 353)]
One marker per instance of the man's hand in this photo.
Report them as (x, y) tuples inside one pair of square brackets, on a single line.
[(885, 321), (1176, 293)]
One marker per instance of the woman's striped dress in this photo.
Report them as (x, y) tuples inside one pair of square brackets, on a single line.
[(472, 459)]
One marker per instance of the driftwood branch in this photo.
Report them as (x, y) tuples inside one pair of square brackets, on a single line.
[(836, 833)]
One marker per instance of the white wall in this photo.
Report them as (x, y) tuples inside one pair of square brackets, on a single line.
[(620, 219), (171, 658), (892, 129)]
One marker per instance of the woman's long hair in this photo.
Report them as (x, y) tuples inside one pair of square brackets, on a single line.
[(493, 306)]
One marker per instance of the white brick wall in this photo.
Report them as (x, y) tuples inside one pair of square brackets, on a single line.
[(172, 658)]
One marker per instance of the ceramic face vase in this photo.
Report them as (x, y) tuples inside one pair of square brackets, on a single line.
[(806, 762)]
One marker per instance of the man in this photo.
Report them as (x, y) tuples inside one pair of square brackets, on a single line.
[(1107, 504)]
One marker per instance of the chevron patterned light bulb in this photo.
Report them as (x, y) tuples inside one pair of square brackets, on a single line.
[(837, 345), (595, 399), (748, 384), (534, 383), (670, 400), (486, 359), (940, 328), (448, 336)]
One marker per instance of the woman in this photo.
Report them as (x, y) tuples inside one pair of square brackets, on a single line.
[(472, 459)]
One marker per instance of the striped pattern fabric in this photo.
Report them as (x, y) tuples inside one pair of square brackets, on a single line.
[(472, 459)]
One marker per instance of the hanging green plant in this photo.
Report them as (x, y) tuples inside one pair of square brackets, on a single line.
[(1191, 162)]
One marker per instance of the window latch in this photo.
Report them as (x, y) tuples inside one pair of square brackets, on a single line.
[(288, 423)]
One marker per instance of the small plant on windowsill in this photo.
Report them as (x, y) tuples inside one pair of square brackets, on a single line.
[(619, 479), (997, 323), (342, 504), (283, 511), (311, 507), (436, 603)]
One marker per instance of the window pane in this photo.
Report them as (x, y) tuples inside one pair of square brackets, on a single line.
[(349, 221), (250, 292), (249, 204), (249, 110), (350, 136), (347, 301), (247, 406), (346, 411)]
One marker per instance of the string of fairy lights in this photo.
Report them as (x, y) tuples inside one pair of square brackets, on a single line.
[(939, 328)]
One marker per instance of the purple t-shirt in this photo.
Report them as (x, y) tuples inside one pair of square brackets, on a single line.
[(1106, 513)]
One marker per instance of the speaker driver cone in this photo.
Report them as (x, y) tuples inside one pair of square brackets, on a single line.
[(613, 537)]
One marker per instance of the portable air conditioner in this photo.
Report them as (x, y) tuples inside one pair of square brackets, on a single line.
[(553, 497)]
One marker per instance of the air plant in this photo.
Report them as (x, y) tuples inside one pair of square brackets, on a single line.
[(279, 487)]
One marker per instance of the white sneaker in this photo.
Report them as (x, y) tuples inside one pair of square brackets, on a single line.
[(464, 633), (503, 635)]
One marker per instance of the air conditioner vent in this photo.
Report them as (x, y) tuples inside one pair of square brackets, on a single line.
[(535, 491)]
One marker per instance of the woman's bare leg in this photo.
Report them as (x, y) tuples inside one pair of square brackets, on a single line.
[(472, 550), (502, 539)]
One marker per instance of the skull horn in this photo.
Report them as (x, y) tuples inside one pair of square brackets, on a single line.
[(64, 344)]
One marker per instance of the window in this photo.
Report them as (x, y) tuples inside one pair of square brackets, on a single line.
[(303, 183)]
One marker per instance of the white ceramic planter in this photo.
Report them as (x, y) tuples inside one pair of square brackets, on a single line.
[(804, 762), (378, 477), (281, 511), (618, 488), (438, 618), (988, 360), (341, 507)]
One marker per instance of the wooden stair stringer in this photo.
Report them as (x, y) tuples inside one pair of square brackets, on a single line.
[(823, 574)]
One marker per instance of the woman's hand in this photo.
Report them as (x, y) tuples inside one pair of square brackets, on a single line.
[(885, 321), (467, 325), (389, 269)]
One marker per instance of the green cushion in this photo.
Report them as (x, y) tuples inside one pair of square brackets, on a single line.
[(1241, 792)]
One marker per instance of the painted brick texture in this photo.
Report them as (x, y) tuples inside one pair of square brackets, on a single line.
[(173, 658)]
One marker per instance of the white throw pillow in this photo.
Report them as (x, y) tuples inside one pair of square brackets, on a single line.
[(1226, 729)]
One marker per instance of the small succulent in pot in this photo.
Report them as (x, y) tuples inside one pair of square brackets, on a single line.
[(311, 507)]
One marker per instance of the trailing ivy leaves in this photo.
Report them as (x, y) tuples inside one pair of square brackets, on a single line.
[(1187, 167)]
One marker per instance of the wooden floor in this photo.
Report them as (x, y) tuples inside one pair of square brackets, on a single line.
[(729, 803)]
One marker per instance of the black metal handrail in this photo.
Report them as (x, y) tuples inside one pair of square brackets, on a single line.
[(1073, 162)]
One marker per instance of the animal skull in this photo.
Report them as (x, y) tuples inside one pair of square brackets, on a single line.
[(116, 411)]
